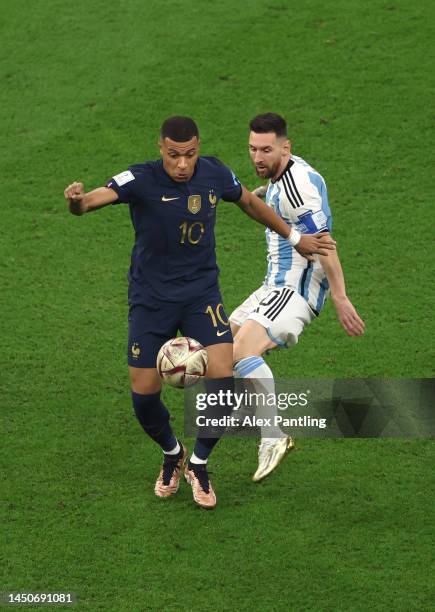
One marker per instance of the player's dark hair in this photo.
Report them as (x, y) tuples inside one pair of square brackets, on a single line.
[(180, 129), (269, 122)]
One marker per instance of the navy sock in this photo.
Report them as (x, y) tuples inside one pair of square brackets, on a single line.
[(153, 415), (204, 445)]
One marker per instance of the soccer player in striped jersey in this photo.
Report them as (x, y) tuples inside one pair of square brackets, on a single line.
[(295, 288)]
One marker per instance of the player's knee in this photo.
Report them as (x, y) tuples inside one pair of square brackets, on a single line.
[(144, 380), (220, 360), (144, 388), (252, 340)]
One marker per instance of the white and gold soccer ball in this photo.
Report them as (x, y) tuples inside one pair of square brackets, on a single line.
[(182, 361)]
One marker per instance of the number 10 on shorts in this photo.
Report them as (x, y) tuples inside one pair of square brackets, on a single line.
[(217, 315)]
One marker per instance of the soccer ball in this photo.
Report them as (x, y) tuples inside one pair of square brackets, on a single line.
[(181, 362)]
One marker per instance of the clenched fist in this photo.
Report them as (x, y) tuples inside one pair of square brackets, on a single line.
[(75, 193)]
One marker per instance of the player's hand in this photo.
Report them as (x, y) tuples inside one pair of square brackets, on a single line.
[(315, 243), (348, 317), (261, 191), (75, 193)]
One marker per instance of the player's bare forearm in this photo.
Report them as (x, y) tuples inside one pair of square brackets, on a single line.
[(346, 312), (255, 208), (308, 243), (334, 274), (80, 202)]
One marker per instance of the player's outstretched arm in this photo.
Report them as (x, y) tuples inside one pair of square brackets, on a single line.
[(80, 202), (346, 312), (305, 244)]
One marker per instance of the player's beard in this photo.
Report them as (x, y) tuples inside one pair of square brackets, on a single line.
[(266, 172)]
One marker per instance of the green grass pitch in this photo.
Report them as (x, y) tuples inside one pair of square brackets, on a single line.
[(342, 525)]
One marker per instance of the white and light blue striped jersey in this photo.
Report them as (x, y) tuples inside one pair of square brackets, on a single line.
[(300, 197)]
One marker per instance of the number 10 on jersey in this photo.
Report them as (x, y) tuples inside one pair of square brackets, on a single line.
[(193, 232)]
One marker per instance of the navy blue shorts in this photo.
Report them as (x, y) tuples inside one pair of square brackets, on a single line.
[(150, 327)]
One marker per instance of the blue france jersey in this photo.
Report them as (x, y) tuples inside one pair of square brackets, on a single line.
[(173, 258)]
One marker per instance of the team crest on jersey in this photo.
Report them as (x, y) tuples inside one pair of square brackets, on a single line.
[(194, 204), (212, 198), (135, 350)]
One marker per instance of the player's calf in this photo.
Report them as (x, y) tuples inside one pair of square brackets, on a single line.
[(153, 416)]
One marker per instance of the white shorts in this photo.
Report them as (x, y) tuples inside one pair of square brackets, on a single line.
[(280, 310)]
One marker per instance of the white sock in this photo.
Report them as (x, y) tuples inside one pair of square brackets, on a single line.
[(257, 370), (174, 451), (197, 460)]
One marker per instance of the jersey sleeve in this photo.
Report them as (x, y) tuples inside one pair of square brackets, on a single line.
[(309, 196), (232, 188), (124, 184)]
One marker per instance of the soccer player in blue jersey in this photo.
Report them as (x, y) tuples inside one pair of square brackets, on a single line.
[(295, 289), (173, 278)]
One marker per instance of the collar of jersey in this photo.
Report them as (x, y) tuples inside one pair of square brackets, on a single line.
[(289, 165)]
